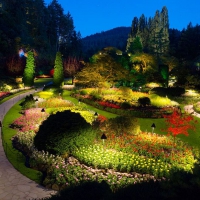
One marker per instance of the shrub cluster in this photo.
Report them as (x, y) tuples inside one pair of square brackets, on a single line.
[(28, 102), (62, 132)]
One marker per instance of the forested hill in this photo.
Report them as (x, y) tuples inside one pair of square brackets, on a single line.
[(116, 37)]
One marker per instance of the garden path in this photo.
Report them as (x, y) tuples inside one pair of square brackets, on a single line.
[(14, 185)]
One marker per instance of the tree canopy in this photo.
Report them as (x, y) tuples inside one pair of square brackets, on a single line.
[(102, 68)]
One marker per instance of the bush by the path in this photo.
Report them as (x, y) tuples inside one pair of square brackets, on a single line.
[(62, 132), (171, 91), (28, 102)]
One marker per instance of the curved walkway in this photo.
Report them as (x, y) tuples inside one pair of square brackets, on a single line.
[(14, 185)]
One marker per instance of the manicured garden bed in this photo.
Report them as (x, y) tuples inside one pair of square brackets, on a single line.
[(124, 101), (120, 160)]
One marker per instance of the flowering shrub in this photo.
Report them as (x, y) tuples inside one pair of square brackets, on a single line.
[(196, 107), (44, 94), (31, 120), (55, 103), (6, 88), (179, 124), (152, 146), (25, 139), (159, 101), (117, 95), (43, 160), (107, 104), (72, 172), (4, 94), (86, 114), (100, 157)]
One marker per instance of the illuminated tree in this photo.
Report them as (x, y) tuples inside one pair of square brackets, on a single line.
[(178, 123), (71, 66), (143, 62), (58, 76), (136, 46), (164, 70), (103, 69), (29, 71), (121, 125)]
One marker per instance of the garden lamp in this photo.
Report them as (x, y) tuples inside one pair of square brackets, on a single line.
[(43, 110), (95, 115), (153, 126), (103, 137)]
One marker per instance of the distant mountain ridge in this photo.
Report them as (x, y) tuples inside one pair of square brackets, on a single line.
[(116, 37)]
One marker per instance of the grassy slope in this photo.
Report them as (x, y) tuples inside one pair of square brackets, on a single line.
[(14, 156)]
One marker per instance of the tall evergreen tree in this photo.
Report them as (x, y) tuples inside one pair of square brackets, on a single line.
[(153, 33), (29, 71), (58, 76), (136, 46), (134, 29)]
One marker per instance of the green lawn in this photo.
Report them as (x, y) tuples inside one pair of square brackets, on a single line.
[(40, 82), (14, 156)]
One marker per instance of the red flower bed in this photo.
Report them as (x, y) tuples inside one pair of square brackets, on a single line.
[(4, 94), (107, 104)]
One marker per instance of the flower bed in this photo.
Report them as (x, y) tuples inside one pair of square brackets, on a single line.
[(144, 153), (31, 120), (55, 103), (4, 94), (113, 100), (120, 160), (72, 172)]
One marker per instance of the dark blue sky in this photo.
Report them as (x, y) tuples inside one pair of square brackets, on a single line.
[(92, 16)]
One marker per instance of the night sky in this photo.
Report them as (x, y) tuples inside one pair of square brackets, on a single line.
[(92, 16)]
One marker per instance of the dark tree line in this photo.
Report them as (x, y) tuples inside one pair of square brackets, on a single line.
[(30, 24), (153, 33)]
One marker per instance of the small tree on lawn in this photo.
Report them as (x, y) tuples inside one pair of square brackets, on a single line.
[(71, 66), (58, 75), (29, 71), (178, 123)]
